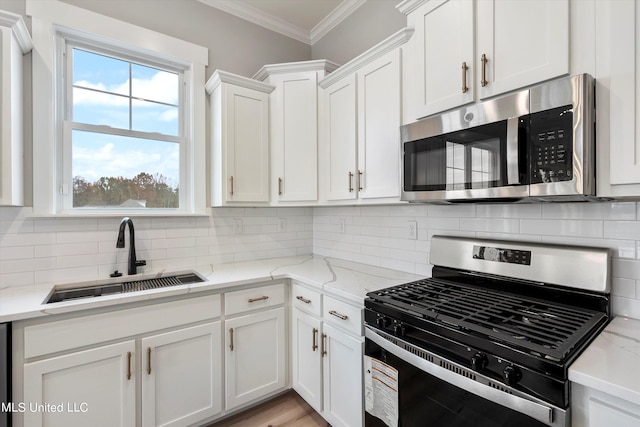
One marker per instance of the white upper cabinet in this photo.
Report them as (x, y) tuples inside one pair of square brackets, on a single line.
[(360, 125), (618, 97), (441, 57), (239, 139), (520, 43), (379, 117), (15, 42), (294, 128)]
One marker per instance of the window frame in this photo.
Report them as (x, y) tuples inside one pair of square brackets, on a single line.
[(68, 125), (56, 26)]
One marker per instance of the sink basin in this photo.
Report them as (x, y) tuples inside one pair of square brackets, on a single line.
[(65, 292)]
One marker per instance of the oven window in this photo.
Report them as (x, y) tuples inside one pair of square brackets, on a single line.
[(425, 400), (463, 160)]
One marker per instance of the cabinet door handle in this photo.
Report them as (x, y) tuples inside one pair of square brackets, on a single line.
[(465, 68), (360, 180), (128, 365), (279, 186), (148, 360), (484, 61), (314, 343), (231, 187), (264, 297), (350, 182), (303, 299), (338, 315), (231, 339), (323, 350)]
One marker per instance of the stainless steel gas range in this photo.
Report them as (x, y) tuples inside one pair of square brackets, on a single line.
[(488, 339)]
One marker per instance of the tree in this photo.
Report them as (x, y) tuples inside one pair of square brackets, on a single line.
[(151, 190)]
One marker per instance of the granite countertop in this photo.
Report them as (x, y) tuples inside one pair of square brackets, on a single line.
[(348, 280), (610, 363)]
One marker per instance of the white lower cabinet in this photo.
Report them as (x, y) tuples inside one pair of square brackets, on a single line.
[(94, 387), (593, 408), (342, 377), (181, 376), (306, 358), (254, 356)]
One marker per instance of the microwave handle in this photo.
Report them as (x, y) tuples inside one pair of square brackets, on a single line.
[(513, 156)]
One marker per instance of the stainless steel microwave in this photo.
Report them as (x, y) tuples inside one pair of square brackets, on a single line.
[(537, 144)]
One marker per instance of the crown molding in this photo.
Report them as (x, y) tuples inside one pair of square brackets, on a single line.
[(387, 45), (337, 15), (292, 67), (220, 76), (408, 6), (19, 29), (273, 23)]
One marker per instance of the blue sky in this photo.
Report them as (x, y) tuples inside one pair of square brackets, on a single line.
[(95, 155)]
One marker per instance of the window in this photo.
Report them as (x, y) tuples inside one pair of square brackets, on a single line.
[(124, 131), (127, 117)]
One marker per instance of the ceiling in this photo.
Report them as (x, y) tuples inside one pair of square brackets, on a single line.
[(304, 20)]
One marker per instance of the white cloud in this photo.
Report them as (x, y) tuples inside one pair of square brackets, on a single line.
[(162, 87)]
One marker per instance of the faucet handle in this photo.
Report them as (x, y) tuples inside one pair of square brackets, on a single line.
[(140, 263)]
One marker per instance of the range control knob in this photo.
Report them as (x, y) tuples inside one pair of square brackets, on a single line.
[(479, 361), (382, 322), (399, 330), (511, 375)]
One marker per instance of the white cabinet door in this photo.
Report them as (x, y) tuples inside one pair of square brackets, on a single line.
[(342, 378), (294, 136), (95, 388), (247, 158), (255, 357), (379, 119), (182, 376), (618, 97), (306, 361), (524, 42), (339, 159), (443, 46)]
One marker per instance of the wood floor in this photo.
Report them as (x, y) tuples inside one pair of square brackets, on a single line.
[(287, 410)]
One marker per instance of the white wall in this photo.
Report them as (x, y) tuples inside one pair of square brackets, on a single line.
[(379, 235), (57, 250)]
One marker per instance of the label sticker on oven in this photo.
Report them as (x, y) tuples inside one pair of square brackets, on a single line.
[(381, 390)]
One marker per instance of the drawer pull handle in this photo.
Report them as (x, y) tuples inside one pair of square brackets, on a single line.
[(303, 299), (314, 344), (231, 189), (148, 360), (264, 297), (128, 365), (323, 350), (350, 182), (231, 339), (338, 315), (279, 186)]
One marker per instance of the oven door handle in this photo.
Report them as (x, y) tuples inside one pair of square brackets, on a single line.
[(535, 410)]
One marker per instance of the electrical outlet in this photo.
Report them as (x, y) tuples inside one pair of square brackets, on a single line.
[(341, 225), (413, 230), (282, 224), (237, 225)]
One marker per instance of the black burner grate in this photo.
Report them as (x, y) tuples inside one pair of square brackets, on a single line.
[(540, 327)]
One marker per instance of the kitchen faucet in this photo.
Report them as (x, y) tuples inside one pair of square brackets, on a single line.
[(133, 263)]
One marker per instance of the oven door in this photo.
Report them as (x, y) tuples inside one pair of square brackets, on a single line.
[(426, 394)]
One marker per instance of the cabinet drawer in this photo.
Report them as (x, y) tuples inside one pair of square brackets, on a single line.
[(253, 299), (343, 315), (306, 299)]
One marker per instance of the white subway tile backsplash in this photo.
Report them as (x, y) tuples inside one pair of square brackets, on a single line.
[(382, 238)]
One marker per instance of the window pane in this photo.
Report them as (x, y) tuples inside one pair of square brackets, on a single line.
[(100, 72), (116, 171), (98, 108), (154, 85), (153, 117)]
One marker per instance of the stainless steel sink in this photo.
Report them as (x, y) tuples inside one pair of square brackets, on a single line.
[(65, 293)]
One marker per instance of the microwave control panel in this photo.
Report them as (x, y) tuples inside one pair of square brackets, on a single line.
[(551, 145)]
